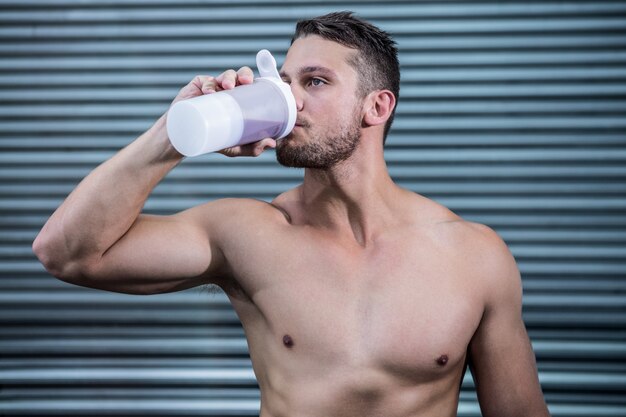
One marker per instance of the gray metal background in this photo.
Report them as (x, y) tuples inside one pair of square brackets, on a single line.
[(511, 113)]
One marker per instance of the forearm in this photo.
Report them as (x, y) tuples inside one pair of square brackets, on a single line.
[(106, 203)]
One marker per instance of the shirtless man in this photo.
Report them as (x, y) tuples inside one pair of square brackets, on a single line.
[(358, 298)]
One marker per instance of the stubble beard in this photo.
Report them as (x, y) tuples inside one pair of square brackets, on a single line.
[(320, 152)]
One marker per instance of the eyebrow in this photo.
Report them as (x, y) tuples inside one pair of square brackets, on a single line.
[(306, 70)]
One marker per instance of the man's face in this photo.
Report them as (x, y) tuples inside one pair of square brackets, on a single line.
[(328, 124)]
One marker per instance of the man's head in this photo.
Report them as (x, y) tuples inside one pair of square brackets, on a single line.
[(376, 54), (337, 63)]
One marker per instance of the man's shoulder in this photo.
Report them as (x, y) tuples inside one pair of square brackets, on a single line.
[(288, 203), (470, 233), (483, 256), (478, 243), (456, 230), (478, 240), (242, 211)]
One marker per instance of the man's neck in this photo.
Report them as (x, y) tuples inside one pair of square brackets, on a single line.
[(357, 197)]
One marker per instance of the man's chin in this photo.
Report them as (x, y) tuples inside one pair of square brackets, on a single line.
[(286, 158), (289, 154)]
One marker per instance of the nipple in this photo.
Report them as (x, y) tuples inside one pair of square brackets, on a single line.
[(266, 64), (288, 341), (442, 360)]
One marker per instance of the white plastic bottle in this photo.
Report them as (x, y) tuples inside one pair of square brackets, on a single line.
[(247, 113)]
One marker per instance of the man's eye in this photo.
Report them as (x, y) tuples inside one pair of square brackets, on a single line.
[(316, 82)]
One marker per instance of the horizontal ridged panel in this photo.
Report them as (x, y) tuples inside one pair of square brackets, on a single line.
[(513, 114)]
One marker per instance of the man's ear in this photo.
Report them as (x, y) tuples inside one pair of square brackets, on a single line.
[(379, 106)]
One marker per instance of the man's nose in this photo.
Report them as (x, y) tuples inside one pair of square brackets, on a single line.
[(298, 96)]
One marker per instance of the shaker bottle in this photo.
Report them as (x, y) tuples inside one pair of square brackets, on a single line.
[(247, 113)]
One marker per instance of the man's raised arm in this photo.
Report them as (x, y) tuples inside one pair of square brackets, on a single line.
[(98, 238)]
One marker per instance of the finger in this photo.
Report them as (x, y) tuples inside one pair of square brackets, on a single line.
[(257, 148), (251, 149), (245, 75), (209, 85), (193, 89), (267, 143), (227, 79)]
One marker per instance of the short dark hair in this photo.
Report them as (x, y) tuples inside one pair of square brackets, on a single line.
[(376, 60)]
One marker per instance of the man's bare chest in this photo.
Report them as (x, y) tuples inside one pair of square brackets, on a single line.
[(410, 313)]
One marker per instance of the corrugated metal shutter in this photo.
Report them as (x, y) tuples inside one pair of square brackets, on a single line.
[(512, 114)]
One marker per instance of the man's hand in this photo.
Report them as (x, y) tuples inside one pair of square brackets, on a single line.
[(206, 84)]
